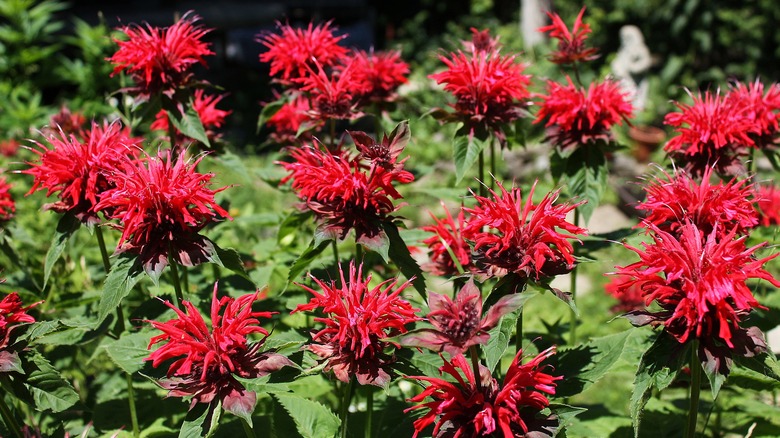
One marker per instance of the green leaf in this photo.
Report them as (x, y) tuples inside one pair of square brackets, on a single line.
[(585, 364), (69, 336), (130, 350), (312, 419), (586, 173), (268, 111), (765, 364), (67, 225), (201, 421), (499, 340), (658, 368), (49, 390), (125, 272), (565, 414), (188, 123), (402, 258), (749, 379), (228, 258), (304, 260), (466, 150), (290, 228), (38, 329)]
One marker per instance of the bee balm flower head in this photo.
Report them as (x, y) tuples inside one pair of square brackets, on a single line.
[(206, 361)]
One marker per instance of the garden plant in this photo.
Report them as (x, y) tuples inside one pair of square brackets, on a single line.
[(406, 249)]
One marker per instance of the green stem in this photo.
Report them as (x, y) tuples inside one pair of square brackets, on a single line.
[(751, 162), (693, 409), (103, 251), (131, 403), (172, 137), (120, 328), (332, 134), (573, 287), (248, 429), (335, 246), (577, 74), (185, 280), (519, 332), (481, 166), (179, 298), (492, 162), (120, 315), (8, 417), (358, 253), (345, 402), (369, 410), (475, 366)]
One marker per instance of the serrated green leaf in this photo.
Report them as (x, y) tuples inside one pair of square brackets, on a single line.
[(125, 272), (69, 336), (402, 258), (49, 390), (129, 351), (201, 421), (189, 123), (765, 364), (304, 260), (38, 329), (748, 379), (585, 364), (228, 258), (312, 419), (565, 414), (67, 225), (466, 150), (499, 340), (658, 368)]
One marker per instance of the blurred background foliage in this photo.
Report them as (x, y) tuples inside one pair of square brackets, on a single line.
[(51, 52)]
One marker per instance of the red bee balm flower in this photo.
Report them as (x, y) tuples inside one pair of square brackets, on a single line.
[(377, 75), (490, 89), (467, 408), (12, 313), (576, 116), (7, 205), (762, 109), (291, 54), (510, 237), (679, 199), (447, 241), (82, 171), (629, 298), (358, 319), (343, 195), (571, 45), (162, 204), (207, 362), (287, 121), (698, 280), (160, 59), (333, 96), (768, 204), (457, 324), (711, 132)]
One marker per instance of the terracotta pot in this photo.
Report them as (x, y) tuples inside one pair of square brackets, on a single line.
[(646, 141)]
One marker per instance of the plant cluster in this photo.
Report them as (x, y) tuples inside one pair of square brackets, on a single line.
[(435, 312)]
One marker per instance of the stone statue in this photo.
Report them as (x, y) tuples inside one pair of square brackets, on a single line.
[(532, 17), (631, 64)]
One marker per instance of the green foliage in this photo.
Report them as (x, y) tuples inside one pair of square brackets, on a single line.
[(312, 419)]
